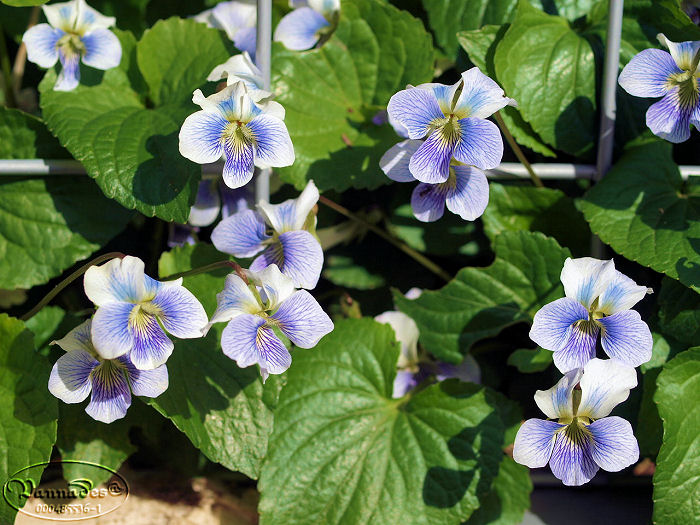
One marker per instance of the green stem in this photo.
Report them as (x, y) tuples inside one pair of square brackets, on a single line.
[(10, 101), (516, 149), (208, 268), (421, 259), (65, 282)]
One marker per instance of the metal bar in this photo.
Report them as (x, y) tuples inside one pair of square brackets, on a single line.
[(553, 171), (263, 50)]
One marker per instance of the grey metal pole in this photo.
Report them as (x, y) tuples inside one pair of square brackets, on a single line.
[(606, 137), (263, 50)]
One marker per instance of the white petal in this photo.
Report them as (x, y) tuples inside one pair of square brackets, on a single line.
[(89, 19), (276, 287), (102, 49), (78, 338), (235, 299), (604, 385), (60, 15), (394, 163), (557, 402), (407, 334), (291, 214), (41, 42), (585, 278), (117, 280)]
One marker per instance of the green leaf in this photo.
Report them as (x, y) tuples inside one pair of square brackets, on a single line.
[(44, 324), (645, 211), (28, 411), (480, 302), (224, 410), (558, 99), (368, 458), (480, 45), (550, 211), (47, 224), (330, 94), (344, 271), (23, 3), (679, 312), (529, 361), (24, 136), (107, 123), (676, 480)]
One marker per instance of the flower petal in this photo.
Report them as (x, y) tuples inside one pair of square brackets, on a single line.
[(416, 109), (669, 118), (70, 376), (79, 338), (404, 382), (646, 75), (468, 370), (111, 396), (152, 347), (88, 18), (394, 163), (234, 300), (303, 320), (682, 52), (557, 402), (470, 195), (553, 322), (428, 202), (431, 161), (605, 384), (534, 442), (480, 143), (147, 383), (579, 349), (481, 97), (111, 335), (248, 341), (206, 205), (234, 16), (241, 235), (41, 42), (406, 332), (61, 14), (585, 278), (102, 49), (572, 461), (291, 214), (620, 294), (181, 313), (246, 40), (626, 337), (273, 147), (234, 201), (614, 444), (325, 7), (274, 286), (69, 77), (298, 255), (238, 67), (239, 165), (298, 30), (115, 281), (200, 137)]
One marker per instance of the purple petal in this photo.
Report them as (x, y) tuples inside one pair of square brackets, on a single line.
[(479, 144), (151, 346), (297, 254), (428, 202), (303, 320), (431, 161), (273, 147), (614, 444), (669, 118), (470, 194), (552, 323), (70, 376), (298, 30), (416, 109), (69, 77), (181, 234), (102, 49), (111, 396), (404, 382), (626, 337), (200, 137), (207, 204), (181, 313), (235, 201), (147, 383), (468, 370), (572, 461), (239, 167), (579, 348), (245, 39), (110, 330), (646, 75), (534, 442), (41, 41), (248, 341), (394, 163), (241, 235)]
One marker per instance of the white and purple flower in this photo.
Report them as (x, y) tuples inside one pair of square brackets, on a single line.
[(303, 28), (82, 372), (584, 437), (452, 120), (255, 309), (134, 312), (241, 68), (238, 19), (598, 301), (464, 193), (674, 76), (75, 31), (247, 133), (284, 233)]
